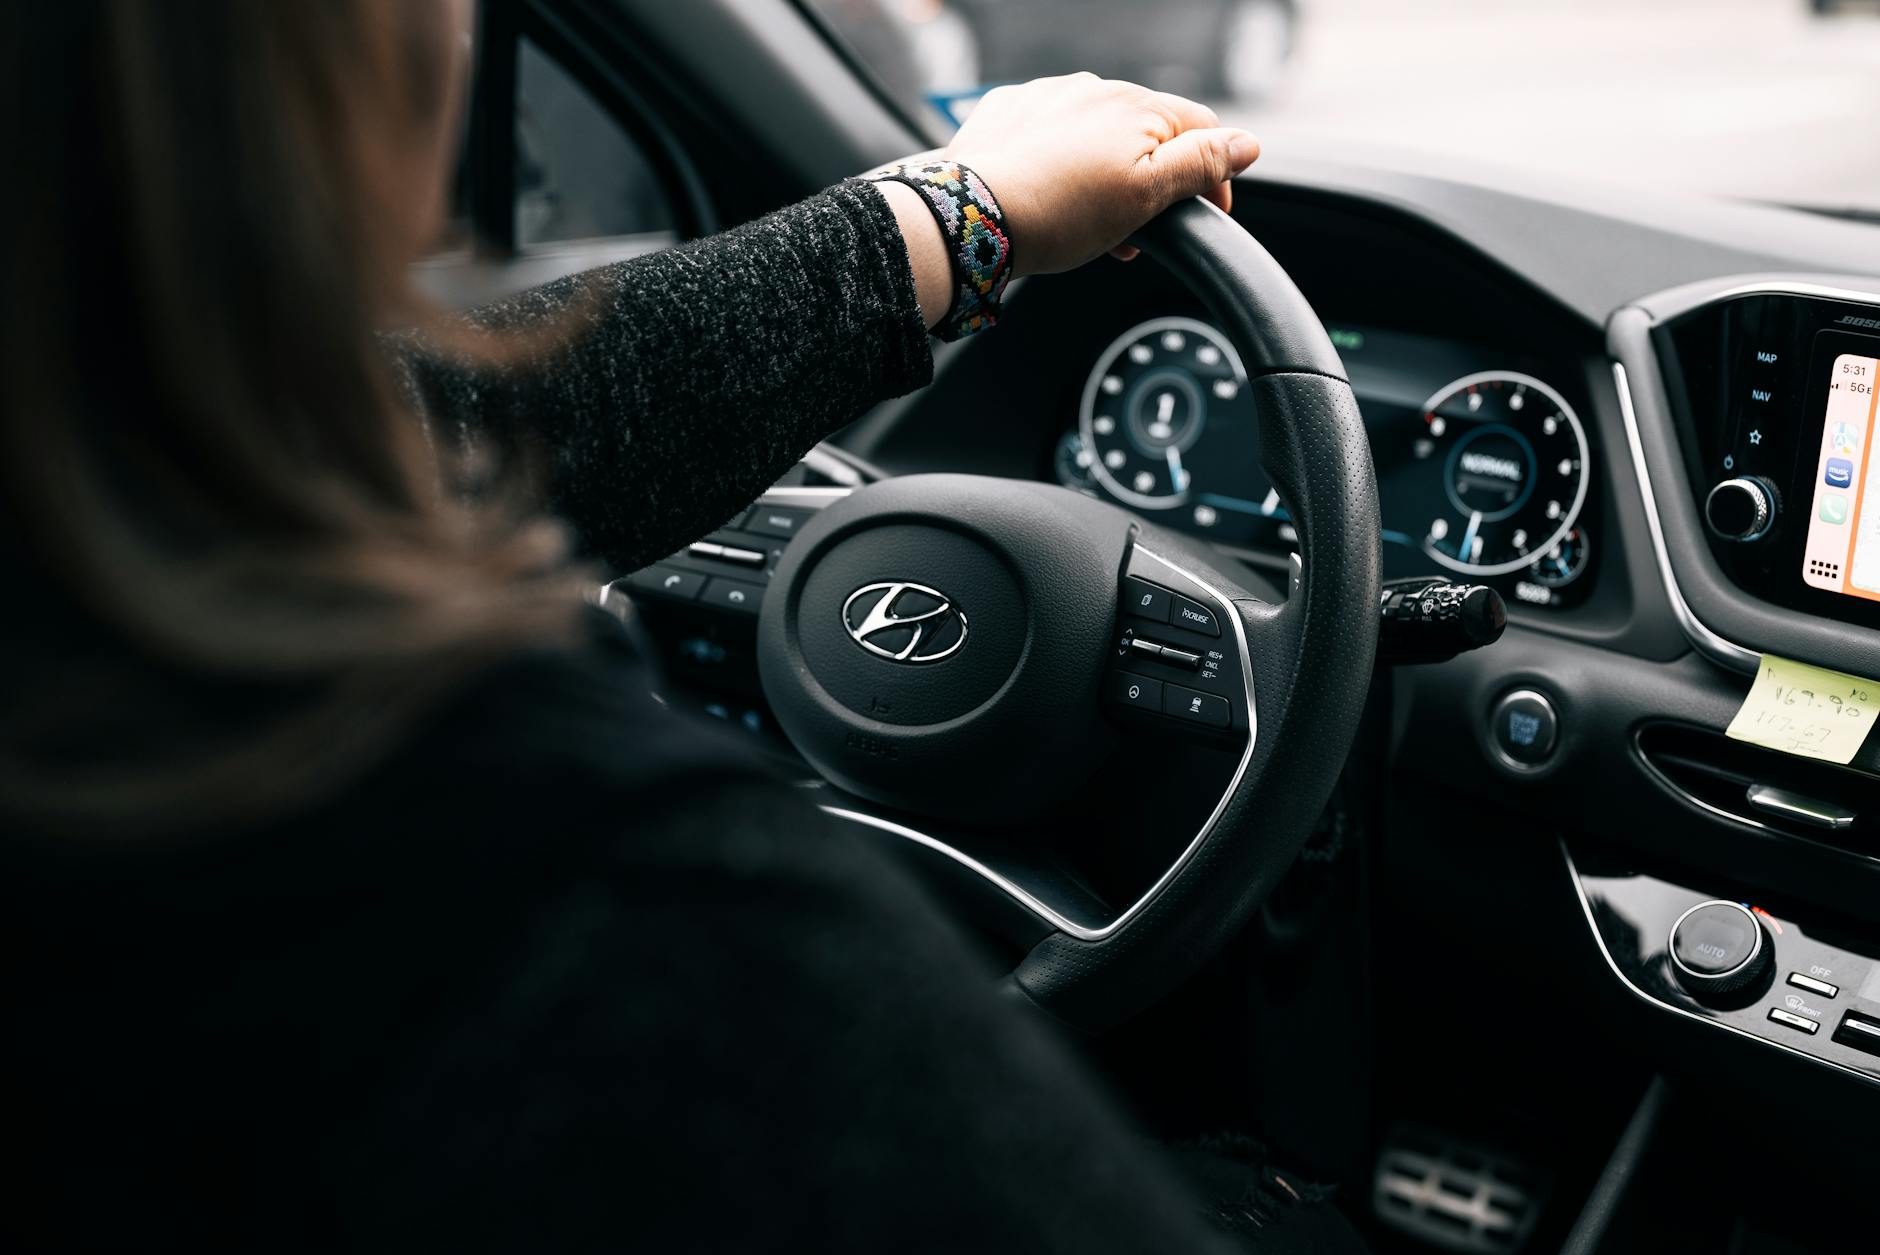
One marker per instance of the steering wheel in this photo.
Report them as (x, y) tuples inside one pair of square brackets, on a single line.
[(946, 647)]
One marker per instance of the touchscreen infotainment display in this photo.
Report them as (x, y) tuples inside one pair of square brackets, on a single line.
[(1842, 554)]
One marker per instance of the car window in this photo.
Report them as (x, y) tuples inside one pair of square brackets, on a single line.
[(1767, 100), (578, 174)]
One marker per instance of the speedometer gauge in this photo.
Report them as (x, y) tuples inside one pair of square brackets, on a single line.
[(1510, 456), (1150, 398)]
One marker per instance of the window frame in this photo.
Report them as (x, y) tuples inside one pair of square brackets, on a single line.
[(488, 169)]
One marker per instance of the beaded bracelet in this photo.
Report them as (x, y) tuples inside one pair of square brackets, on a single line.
[(974, 226)]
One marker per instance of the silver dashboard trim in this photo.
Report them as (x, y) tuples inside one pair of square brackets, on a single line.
[(1725, 653), (1055, 918), (1586, 908), (1820, 290)]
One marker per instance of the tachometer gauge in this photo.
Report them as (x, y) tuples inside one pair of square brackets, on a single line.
[(1510, 456), (1150, 398)]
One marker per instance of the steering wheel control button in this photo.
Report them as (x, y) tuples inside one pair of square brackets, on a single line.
[(1145, 600), (1142, 647), (1181, 657), (733, 595), (1524, 729), (1814, 986), (1800, 1023), (1717, 948), (780, 521), (1137, 691), (667, 582), (1186, 703), (1194, 616)]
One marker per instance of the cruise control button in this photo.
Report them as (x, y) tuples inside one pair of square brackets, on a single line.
[(1133, 690), (1181, 657), (667, 582), (1185, 703), (733, 595), (776, 520), (1143, 598), (1194, 616)]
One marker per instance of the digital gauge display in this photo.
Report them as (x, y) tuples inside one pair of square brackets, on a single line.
[(1503, 459), (1484, 480), (1167, 424)]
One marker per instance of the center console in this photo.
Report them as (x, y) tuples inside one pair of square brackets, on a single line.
[(1775, 972)]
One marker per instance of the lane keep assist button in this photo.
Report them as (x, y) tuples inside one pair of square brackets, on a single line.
[(1186, 703)]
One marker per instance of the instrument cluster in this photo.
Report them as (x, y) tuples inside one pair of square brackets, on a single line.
[(1483, 473)]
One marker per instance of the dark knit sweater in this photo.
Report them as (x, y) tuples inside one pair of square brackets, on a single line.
[(697, 376), (567, 974)]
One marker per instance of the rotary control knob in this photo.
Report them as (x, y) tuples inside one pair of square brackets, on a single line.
[(1742, 509), (1718, 948)]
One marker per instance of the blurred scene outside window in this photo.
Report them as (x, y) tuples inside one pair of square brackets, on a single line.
[(578, 174), (1768, 100)]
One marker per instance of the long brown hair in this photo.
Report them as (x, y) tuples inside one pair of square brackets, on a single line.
[(206, 472)]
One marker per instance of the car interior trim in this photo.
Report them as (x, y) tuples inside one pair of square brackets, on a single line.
[(1723, 652), (1592, 925), (1057, 919)]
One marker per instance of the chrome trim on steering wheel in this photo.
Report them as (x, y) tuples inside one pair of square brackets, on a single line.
[(1025, 898)]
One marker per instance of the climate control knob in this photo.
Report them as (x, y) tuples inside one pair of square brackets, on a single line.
[(1718, 948), (1742, 509)]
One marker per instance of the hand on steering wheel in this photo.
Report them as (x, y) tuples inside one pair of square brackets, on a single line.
[(1079, 162)]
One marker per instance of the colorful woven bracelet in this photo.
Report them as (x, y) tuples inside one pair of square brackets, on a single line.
[(977, 242)]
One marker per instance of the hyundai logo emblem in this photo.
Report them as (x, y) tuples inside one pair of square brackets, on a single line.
[(904, 622)]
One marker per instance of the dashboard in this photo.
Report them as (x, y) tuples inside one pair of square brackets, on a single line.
[(1660, 493), (1663, 487)]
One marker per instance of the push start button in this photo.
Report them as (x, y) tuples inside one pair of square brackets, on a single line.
[(1524, 729)]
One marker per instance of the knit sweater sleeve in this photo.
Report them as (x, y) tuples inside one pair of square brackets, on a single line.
[(656, 397)]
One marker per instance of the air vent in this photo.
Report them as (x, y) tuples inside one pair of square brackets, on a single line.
[(1454, 1195), (1798, 797)]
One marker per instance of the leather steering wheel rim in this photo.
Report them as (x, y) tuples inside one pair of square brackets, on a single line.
[(1312, 657)]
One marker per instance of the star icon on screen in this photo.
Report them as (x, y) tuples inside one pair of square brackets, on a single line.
[(1755, 436)]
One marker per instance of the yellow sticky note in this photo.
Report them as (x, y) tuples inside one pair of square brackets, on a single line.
[(1806, 710)]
